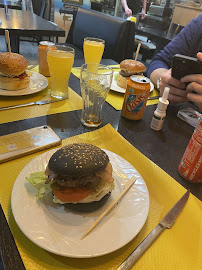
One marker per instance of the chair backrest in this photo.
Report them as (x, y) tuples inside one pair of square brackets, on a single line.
[(39, 7), (117, 33)]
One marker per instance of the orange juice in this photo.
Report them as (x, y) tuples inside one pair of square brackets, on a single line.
[(93, 51), (60, 65)]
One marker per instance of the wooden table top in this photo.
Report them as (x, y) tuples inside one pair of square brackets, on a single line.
[(25, 23)]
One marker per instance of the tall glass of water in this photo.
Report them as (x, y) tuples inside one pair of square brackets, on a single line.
[(94, 90)]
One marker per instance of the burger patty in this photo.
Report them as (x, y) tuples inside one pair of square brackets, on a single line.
[(81, 181), (125, 73), (67, 181)]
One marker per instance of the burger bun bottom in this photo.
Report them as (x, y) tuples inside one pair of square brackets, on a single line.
[(88, 207), (13, 83), (122, 81)]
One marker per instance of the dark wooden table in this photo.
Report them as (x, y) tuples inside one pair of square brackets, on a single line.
[(15, 5), (165, 147), (27, 24), (158, 34)]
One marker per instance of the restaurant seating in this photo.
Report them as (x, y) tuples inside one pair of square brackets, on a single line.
[(117, 33)]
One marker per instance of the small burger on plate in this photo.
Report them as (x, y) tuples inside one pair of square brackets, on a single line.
[(13, 74), (79, 175), (128, 68)]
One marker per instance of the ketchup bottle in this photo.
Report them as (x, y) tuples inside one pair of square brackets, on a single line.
[(190, 166)]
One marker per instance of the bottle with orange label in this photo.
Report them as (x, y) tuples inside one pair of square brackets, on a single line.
[(190, 166), (135, 98), (42, 56)]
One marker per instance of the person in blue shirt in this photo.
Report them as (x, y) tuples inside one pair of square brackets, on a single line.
[(188, 42)]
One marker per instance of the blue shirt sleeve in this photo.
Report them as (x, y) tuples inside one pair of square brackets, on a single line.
[(187, 42)]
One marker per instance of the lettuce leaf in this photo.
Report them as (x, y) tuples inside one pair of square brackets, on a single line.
[(37, 180)]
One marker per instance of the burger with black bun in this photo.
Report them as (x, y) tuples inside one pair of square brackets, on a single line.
[(79, 175), (128, 68), (13, 74)]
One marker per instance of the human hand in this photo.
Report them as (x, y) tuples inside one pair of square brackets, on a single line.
[(143, 14), (195, 84), (177, 92), (128, 12)]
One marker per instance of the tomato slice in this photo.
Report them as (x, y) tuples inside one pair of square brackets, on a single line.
[(71, 194)]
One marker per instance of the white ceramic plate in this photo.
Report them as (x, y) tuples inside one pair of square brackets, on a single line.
[(56, 229), (119, 89), (37, 83)]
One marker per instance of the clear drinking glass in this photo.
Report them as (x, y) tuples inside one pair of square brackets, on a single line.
[(93, 50), (60, 62), (94, 90)]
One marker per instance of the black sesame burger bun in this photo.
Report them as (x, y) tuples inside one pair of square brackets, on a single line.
[(81, 177), (77, 160)]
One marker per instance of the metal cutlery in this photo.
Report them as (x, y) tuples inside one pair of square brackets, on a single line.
[(31, 67), (9, 253), (166, 223), (154, 97), (30, 104)]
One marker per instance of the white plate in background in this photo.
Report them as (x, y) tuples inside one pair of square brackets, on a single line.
[(119, 89), (58, 230), (37, 83)]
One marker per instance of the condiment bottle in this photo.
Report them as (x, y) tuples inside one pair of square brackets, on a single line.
[(160, 112), (42, 56), (190, 166), (135, 97)]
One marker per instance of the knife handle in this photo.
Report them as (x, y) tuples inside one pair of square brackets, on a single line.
[(143, 246), (16, 106)]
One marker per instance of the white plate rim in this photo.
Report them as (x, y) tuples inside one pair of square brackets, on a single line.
[(35, 76), (47, 155), (116, 88)]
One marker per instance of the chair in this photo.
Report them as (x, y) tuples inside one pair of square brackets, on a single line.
[(147, 47), (117, 33)]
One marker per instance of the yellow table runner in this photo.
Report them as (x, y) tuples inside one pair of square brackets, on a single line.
[(115, 99), (176, 249), (73, 103)]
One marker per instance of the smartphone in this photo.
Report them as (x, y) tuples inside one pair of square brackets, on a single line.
[(26, 142), (184, 65)]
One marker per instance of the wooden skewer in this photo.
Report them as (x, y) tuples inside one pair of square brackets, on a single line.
[(8, 40), (126, 188), (137, 52)]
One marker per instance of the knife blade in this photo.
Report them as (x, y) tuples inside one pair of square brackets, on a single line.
[(154, 97), (165, 223), (31, 104)]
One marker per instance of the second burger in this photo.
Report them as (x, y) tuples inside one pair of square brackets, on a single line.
[(128, 68)]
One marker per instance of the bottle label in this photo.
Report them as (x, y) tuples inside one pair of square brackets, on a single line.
[(190, 166), (134, 103)]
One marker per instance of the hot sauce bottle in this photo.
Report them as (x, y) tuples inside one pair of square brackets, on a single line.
[(190, 166), (135, 98)]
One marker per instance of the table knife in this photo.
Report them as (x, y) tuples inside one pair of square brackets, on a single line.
[(166, 223), (10, 255), (154, 97), (30, 104)]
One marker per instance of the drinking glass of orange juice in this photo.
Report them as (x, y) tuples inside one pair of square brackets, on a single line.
[(93, 50), (60, 62)]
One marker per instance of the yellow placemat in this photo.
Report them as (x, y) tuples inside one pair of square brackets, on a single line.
[(115, 99), (175, 249), (73, 103)]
